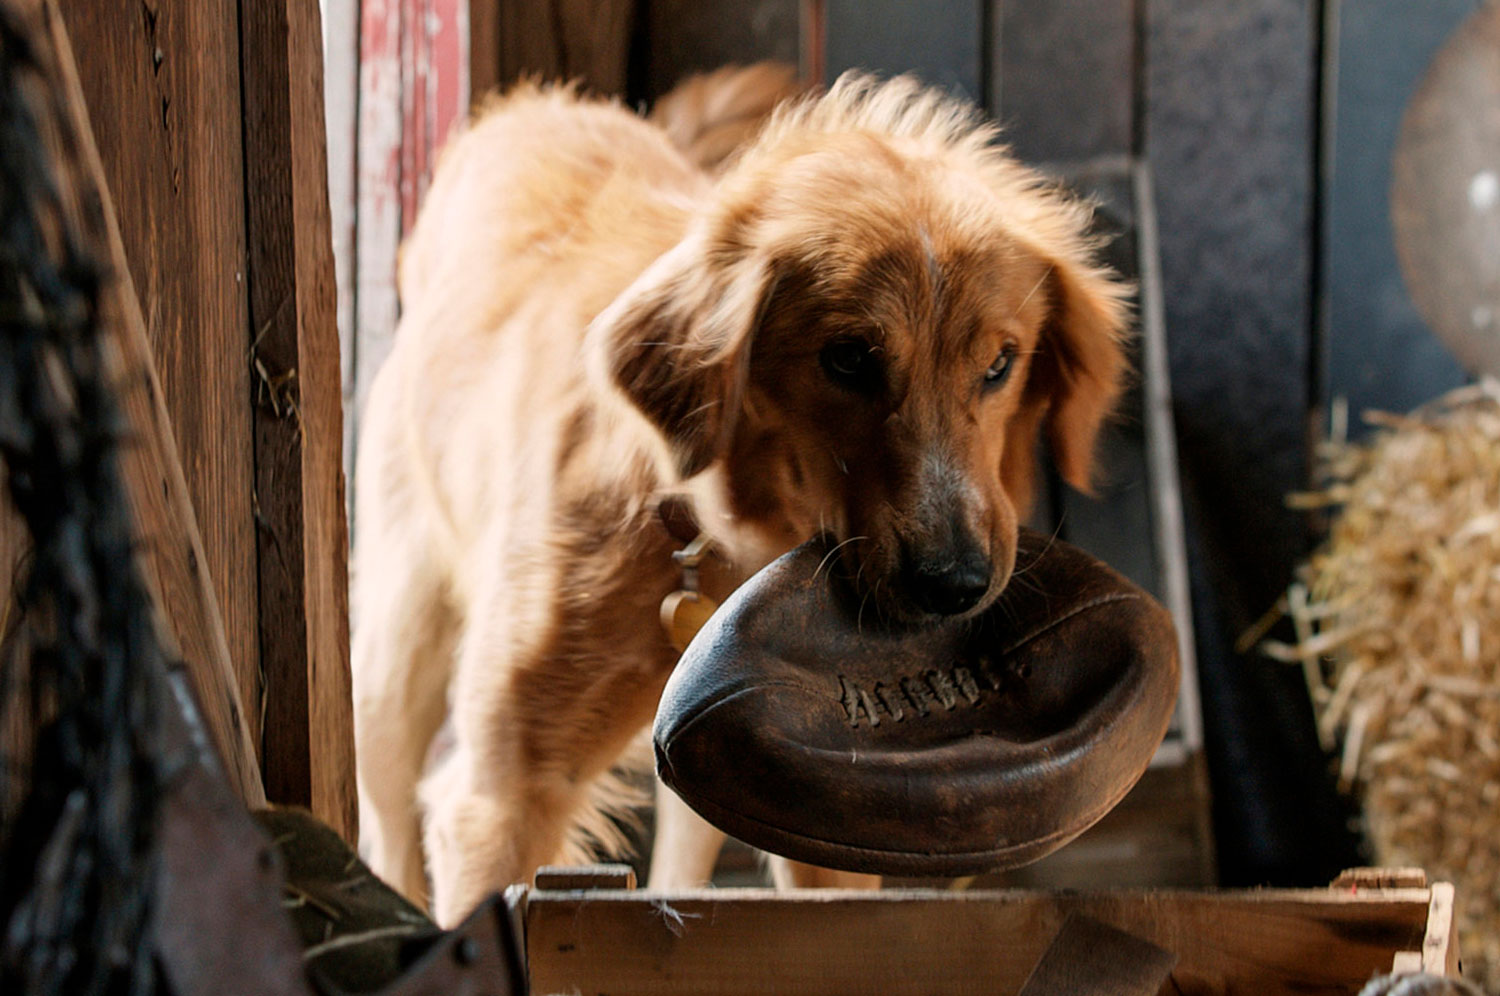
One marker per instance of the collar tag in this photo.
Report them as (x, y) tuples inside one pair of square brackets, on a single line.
[(684, 611)]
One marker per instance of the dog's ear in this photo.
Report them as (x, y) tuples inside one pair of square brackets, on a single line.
[(677, 343), (1077, 373)]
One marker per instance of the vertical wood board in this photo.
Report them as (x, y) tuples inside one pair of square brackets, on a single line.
[(1229, 98), (172, 557), (1230, 90), (484, 47), (414, 90), (587, 40), (434, 91), (303, 582), (1066, 78), (941, 43), (161, 79)]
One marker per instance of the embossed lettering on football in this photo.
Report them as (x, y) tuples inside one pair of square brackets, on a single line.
[(974, 745)]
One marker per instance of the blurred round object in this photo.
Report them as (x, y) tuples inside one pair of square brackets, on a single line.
[(1445, 195)]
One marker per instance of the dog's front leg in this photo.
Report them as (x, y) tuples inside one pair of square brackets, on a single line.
[(686, 847), (485, 829), (532, 734)]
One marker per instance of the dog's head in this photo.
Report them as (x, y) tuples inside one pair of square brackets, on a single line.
[(867, 334)]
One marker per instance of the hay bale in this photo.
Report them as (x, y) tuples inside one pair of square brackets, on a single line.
[(1398, 625)]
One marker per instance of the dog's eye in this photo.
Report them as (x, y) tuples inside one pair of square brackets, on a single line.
[(851, 363), (998, 371)]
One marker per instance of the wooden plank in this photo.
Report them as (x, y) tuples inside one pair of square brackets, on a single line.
[(303, 571), (1169, 533), (1135, 523), (1229, 94), (563, 878), (1089, 958), (1440, 942), (17, 726), (1233, 163), (172, 553), (941, 43), (434, 90), (1117, 525), (414, 83), (1066, 78), (1380, 878), (733, 941), (812, 62), (484, 47), (161, 79), (587, 40)]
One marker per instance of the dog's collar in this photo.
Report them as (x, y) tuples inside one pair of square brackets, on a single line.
[(676, 516), (684, 611)]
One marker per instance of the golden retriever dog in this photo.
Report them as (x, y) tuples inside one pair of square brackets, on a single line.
[(859, 324)]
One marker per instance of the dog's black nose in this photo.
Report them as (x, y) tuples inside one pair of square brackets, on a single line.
[(947, 588)]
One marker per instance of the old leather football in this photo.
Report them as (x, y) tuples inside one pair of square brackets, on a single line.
[(972, 745)]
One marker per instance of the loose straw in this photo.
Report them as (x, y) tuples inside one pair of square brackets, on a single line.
[(1397, 622)]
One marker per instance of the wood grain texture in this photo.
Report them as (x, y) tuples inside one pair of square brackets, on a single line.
[(587, 40), (1440, 943), (484, 46), (172, 558), (557, 878), (161, 79), (378, 189), (302, 541), (1089, 958), (733, 941), (17, 726)]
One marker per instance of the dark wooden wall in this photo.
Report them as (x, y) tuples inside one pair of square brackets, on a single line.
[(152, 75), (1230, 101), (208, 115)]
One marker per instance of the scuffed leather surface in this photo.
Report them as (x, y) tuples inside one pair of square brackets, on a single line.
[(802, 728)]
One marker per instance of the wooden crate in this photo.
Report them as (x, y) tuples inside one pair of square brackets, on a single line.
[(622, 941)]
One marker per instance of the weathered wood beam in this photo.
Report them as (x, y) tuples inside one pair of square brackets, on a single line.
[(298, 416), (172, 553), (161, 81)]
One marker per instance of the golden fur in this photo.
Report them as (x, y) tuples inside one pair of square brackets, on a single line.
[(592, 320)]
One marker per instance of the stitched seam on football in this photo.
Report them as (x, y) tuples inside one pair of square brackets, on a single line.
[(1110, 599), (707, 707)]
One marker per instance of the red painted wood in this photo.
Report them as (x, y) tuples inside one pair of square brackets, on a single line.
[(434, 69), (413, 93)]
